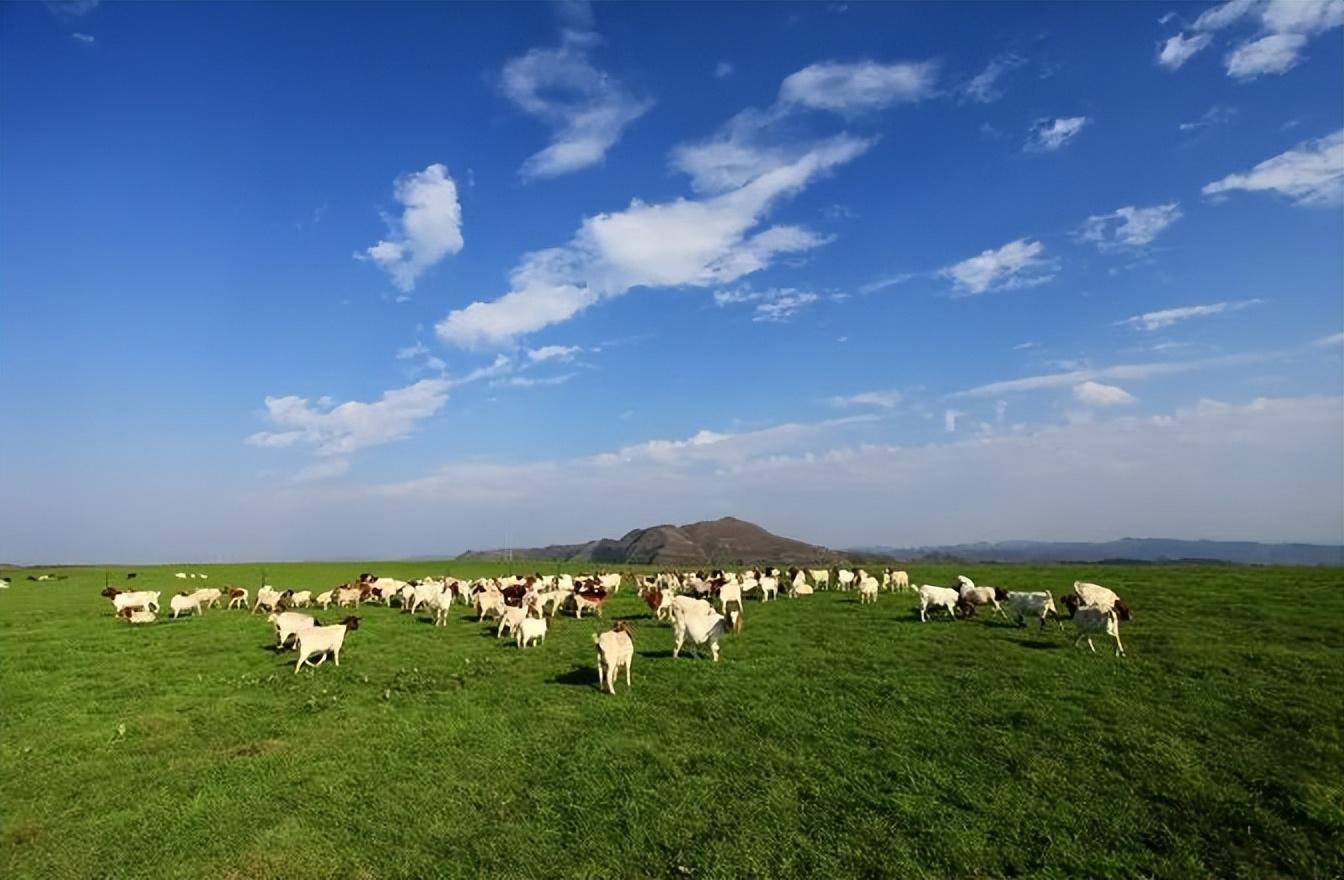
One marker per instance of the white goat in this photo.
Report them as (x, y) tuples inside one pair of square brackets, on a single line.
[(289, 624), (319, 641), (208, 597), (301, 599), (268, 598), (868, 587), (984, 596), (703, 629), (510, 618), (183, 602), (1039, 604), (1096, 621), (324, 600), (730, 592), (531, 629), (615, 649), (941, 597), (139, 616), (821, 577)]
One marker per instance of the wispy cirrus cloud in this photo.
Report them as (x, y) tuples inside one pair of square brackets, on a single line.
[(772, 304), (586, 108), (1128, 227), (429, 228), (1158, 320), (1117, 373), (1015, 265), (1096, 394), (888, 399), (1283, 28), (984, 87), (1048, 135), (741, 173), (1312, 173)]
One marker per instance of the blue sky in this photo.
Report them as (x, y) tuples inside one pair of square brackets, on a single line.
[(307, 280)]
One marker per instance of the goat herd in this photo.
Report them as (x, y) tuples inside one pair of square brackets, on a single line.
[(525, 605)]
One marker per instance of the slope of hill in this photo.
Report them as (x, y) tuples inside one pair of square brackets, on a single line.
[(1125, 549), (727, 541)]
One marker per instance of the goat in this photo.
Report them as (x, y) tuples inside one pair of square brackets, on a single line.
[(323, 640), (185, 602), (821, 577), (1098, 596), (208, 597), (1040, 605), (945, 598), (324, 600), (591, 597), (868, 587), (704, 629), (531, 629), (1092, 620), (509, 619), (730, 592), (615, 649), (288, 624), (268, 598), (985, 596), (237, 597)]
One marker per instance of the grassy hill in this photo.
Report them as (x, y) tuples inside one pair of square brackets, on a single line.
[(833, 740)]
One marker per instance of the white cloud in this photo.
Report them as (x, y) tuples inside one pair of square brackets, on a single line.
[(1016, 265), (772, 304), (1119, 372), (1177, 50), (1158, 475), (323, 469), (1215, 115), (857, 87), (950, 419), (353, 425), (534, 382), (682, 243), (1129, 227), (881, 399), (1166, 317), (1022, 346), (68, 9), (1096, 394), (586, 108), (1312, 173), (889, 281), (333, 429), (723, 69), (553, 353), (429, 229), (1332, 341), (1274, 53), (86, 39), (1048, 135), (984, 86), (412, 352), (1285, 27)]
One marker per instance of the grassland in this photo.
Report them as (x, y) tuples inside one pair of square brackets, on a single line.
[(833, 740)]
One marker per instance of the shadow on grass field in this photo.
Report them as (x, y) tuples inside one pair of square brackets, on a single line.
[(833, 740)]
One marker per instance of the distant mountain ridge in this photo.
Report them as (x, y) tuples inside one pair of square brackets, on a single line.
[(1123, 550), (726, 541)]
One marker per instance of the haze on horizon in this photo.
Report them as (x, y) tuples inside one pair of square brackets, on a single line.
[(299, 281)]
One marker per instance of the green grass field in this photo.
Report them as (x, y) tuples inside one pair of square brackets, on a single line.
[(833, 740)]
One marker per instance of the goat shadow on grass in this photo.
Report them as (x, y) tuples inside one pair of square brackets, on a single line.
[(578, 676), (656, 655), (1036, 645)]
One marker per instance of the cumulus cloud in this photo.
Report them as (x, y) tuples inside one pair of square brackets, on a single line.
[(984, 87), (1016, 265), (1097, 394), (1177, 50), (586, 108), (354, 425), (1312, 173), (429, 228), (338, 430), (1048, 135), (1166, 317), (1129, 227)]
